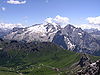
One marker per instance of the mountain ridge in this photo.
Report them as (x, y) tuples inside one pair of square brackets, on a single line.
[(69, 37), (38, 32)]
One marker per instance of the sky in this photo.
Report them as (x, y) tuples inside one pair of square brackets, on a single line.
[(82, 13)]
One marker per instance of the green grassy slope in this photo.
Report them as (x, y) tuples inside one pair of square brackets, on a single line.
[(36, 59)]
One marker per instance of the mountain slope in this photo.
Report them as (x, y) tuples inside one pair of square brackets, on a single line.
[(4, 32), (18, 57), (69, 37), (38, 32), (94, 32), (76, 39), (7, 28), (36, 58)]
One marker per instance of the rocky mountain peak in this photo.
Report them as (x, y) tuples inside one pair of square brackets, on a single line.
[(76, 39), (84, 61), (69, 26)]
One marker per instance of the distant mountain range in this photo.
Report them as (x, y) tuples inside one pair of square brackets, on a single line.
[(7, 28), (94, 33), (69, 37)]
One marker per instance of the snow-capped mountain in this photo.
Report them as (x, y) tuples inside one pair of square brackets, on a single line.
[(76, 39), (10, 26), (38, 32), (94, 33), (69, 37), (7, 28), (4, 32)]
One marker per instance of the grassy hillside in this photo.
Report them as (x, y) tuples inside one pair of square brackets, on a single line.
[(17, 58)]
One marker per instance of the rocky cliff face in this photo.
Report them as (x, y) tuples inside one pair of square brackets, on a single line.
[(76, 39)]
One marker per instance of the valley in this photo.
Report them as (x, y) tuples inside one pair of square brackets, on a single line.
[(36, 58)]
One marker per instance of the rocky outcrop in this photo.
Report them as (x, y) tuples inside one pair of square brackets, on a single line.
[(84, 61), (91, 69)]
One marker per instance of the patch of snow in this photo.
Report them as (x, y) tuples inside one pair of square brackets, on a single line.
[(65, 37), (1, 48), (74, 29), (70, 45), (43, 35), (37, 29), (93, 64), (80, 34), (9, 26)]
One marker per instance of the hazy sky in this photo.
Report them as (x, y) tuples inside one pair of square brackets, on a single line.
[(29, 12)]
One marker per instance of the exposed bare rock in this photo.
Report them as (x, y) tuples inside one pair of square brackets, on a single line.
[(75, 39), (91, 69)]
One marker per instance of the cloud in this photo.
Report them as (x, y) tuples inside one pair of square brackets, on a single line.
[(63, 21), (49, 20), (93, 23), (88, 26), (94, 20), (16, 2), (9, 25), (3, 8)]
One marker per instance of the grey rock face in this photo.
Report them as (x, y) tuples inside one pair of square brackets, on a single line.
[(76, 39)]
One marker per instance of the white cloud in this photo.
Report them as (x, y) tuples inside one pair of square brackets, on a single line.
[(9, 25), (49, 20), (16, 2), (88, 26), (63, 21), (3, 8), (94, 20)]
